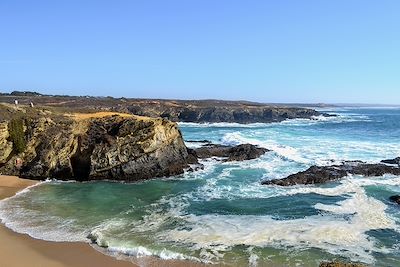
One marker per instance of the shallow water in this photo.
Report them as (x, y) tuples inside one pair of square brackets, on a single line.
[(223, 215)]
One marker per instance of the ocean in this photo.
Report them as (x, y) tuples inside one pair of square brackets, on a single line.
[(223, 215)]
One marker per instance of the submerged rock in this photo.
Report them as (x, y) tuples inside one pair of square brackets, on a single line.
[(230, 153), (395, 198), (341, 264), (199, 141), (323, 174), (392, 161)]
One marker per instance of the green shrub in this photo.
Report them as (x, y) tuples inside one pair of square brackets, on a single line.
[(17, 136)]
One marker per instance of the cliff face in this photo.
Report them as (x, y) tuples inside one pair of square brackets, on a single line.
[(229, 113), (6, 146), (86, 148)]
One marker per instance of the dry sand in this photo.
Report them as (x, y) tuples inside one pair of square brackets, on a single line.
[(19, 250)]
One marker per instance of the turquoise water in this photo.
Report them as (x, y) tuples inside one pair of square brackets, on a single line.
[(223, 215)]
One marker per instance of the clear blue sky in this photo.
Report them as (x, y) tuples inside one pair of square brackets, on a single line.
[(268, 51)]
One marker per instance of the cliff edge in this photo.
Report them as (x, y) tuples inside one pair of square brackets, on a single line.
[(198, 111), (90, 146)]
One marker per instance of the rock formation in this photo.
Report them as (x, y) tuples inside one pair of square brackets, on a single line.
[(230, 153), (392, 161), (111, 147), (395, 199), (40, 144), (6, 146), (323, 174)]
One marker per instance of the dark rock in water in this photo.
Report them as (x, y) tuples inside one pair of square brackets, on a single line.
[(395, 199), (236, 153), (341, 264), (392, 161), (192, 157), (323, 174), (199, 141), (245, 152)]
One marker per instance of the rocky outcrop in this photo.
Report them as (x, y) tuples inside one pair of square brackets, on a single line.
[(238, 113), (392, 161), (341, 264), (395, 199), (112, 147), (230, 153), (6, 146), (323, 174)]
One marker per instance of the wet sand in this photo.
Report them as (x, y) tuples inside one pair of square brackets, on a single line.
[(18, 250)]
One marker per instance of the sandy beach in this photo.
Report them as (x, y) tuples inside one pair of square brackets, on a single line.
[(21, 250), (18, 250)]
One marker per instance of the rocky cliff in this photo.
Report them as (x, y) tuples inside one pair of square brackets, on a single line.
[(6, 146), (40, 143), (93, 147)]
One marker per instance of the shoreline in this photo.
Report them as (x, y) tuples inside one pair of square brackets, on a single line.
[(35, 252), (22, 250)]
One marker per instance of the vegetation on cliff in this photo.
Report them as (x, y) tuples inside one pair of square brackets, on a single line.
[(173, 110), (17, 135)]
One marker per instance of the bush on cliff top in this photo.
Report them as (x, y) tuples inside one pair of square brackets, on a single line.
[(17, 136)]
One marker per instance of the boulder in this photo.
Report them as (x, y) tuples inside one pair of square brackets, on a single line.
[(395, 199), (230, 153)]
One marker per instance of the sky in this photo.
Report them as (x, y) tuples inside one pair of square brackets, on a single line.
[(341, 51)]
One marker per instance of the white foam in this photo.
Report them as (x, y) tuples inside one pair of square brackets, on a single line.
[(337, 118), (340, 230), (316, 150), (143, 252), (197, 144), (326, 232), (236, 138), (22, 192), (39, 226), (43, 227)]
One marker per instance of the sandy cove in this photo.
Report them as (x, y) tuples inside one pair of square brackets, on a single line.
[(18, 250)]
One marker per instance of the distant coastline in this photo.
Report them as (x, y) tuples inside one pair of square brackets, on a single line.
[(199, 111)]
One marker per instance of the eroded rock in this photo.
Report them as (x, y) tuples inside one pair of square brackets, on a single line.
[(111, 147), (323, 174), (230, 153)]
